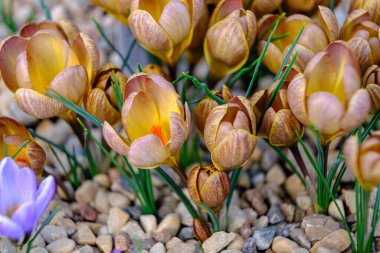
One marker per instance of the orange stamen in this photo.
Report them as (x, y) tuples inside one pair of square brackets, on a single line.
[(157, 130), (10, 213)]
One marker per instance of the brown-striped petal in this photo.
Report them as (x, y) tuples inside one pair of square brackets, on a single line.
[(374, 92), (36, 157), (273, 57), (178, 132), (297, 99), (116, 141), (362, 52), (357, 110), (327, 20), (212, 125), (284, 129)]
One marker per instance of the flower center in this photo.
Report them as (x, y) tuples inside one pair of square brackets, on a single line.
[(10, 213), (157, 130)]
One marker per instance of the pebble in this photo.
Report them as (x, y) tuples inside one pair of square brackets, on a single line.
[(317, 226), (84, 249), (88, 212), (300, 250), (236, 218), (261, 222), (249, 245), (84, 236), (231, 251), (186, 218), (162, 236), (218, 241), (148, 223), (6, 246), (51, 233), (134, 230), (118, 200), (237, 243), (294, 187), (338, 240), (62, 245), (68, 225), (101, 201), (33, 250), (38, 242), (268, 158), (299, 236), (104, 243), (123, 242), (288, 210), (116, 220), (158, 248), (264, 237), (172, 242), (333, 210), (102, 180), (135, 212), (349, 199), (283, 245), (171, 223), (326, 250), (186, 233), (276, 175), (275, 215), (182, 247), (246, 230), (86, 192), (257, 201), (304, 202)]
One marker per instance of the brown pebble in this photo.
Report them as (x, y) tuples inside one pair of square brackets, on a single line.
[(88, 213), (162, 236), (122, 242), (257, 201)]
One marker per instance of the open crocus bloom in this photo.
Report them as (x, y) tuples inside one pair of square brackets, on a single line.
[(32, 155), (165, 27), (230, 134), (21, 202), (120, 9), (154, 120), (46, 56), (328, 95)]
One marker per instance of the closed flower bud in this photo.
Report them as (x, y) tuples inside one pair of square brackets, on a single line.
[(305, 6), (165, 28), (327, 95), (154, 120), (201, 231), (229, 38), (364, 159), (32, 155), (371, 80), (209, 186), (363, 38), (314, 38), (101, 100), (120, 9), (156, 70), (262, 7), (46, 56), (230, 134), (280, 126), (204, 107)]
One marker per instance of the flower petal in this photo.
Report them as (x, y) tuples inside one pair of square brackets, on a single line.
[(325, 112), (212, 124), (45, 194), (179, 133), (147, 152), (297, 98), (25, 216), (327, 20), (284, 129), (273, 57), (36, 157), (351, 155), (116, 141), (38, 105), (234, 150), (10, 50), (10, 229), (357, 111)]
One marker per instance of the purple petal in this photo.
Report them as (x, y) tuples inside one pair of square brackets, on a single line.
[(10, 228), (8, 170), (25, 185), (44, 195), (25, 216)]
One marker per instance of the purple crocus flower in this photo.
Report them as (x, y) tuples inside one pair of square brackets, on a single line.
[(21, 203)]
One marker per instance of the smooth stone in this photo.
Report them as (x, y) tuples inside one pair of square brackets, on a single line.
[(276, 175), (294, 186), (186, 218), (236, 219), (102, 180), (304, 202), (299, 236), (162, 236), (237, 243), (186, 233), (218, 241), (349, 199), (338, 240), (326, 250), (171, 223), (101, 201), (104, 243), (182, 247), (135, 212), (264, 237), (231, 251), (123, 242), (68, 225), (118, 200), (148, 223), (84, 236), (84, 249), (51, 233), (34, 250), (158, 248), (261, 222), (38, 242), (283, 245), (62, 245), (249, 245), (133, 230), (86, 192), (333, 210), (300, 250), (268, 158), (317, 226), (257, 201), (172, 242), (275, 215), (289, 211), (6, 246), (116, 220)]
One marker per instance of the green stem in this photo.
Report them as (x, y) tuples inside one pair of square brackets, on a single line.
[(234, 180), (362, 197), (178, 191), (375, 218)]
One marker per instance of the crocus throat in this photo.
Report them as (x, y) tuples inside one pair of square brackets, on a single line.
[(10, 213), (157, 130)]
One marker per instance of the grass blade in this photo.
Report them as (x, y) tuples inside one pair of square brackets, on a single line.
[(45, 9), (212, 215)]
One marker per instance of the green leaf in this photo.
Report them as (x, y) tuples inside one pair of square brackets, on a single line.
[(234, 180), (5, 145), (45, 9), (212, 215), (20, 148), (117, 91)]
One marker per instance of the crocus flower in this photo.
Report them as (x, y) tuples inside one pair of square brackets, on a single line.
[(328, 95), (364, 159), (262, 7), (305, 6), (229, 38), (209, 186), (362, 36), (314, 38), (229, 134), (44, 56), (120, 9), (201, 231), (371, 80), (279, 126), (372, 6), (156, 70), (101, 100), (32, 155), (154, 120), (21, 202), (165, 28)]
